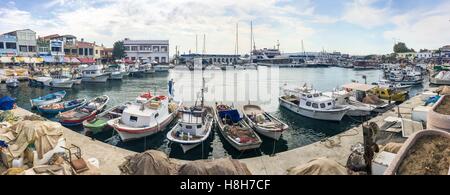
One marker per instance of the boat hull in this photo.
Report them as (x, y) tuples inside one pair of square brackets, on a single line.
[(320, 115), (97, 79), (64, 85), (127, 134), (12, 84), (117, 76)]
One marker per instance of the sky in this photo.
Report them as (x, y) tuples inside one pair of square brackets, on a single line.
[(358, 27)]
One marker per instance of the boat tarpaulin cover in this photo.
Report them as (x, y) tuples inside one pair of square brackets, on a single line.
[(7, 103), (359, 86), (321, 166), (43, 134), (232, 114)]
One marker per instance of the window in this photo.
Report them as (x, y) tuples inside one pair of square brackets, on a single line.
[(155, 49), (157, 59), (188, 127), (329, 103), (91, 51), (11, 45), (127, 48), (322, 105), (134, 48), (23, 48), (310, 96), (199, 126), (156, 115), (56, 49), (96, 51), (308, 103), (163, 59), (74, 51), (67, 51), (133, 119), (163, 48), (80, 51), (1, 45), (31, 48), (315, 105)]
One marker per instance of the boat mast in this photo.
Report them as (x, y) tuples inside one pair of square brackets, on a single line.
[(251, 42)]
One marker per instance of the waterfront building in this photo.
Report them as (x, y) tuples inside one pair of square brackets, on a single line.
[(424, 55), (70, 47), (98, 51), (445, 51), (407, 55), (106, 55), (51, 49), (211, 58), (26, 42), (85, 51), (8, 45), (147, 50)]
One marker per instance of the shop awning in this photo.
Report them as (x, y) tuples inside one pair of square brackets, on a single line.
[(86, 60), (48, 59), (74, 60), (358, 86)]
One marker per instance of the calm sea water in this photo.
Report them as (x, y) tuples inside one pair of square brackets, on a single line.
[(232, 86)]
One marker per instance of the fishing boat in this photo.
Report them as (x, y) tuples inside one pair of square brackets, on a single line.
[(161, 68), (147, 68), (234, 129), (118, 71), (12, 82), (135, 70), (440, 78), (48, 99), (356, 108), (263, 122), (40, 81), (61, 82), (194, 126), (56, 108), (383, 83), (390, 94), (146, 116), (88, 111), (100, 122), (94, 73), (313, 104)]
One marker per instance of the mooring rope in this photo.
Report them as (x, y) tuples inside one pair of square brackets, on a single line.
[(328, 143)]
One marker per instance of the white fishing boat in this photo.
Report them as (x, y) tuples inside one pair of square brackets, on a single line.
[(383, 83), (61, 82), (161, 68), (147, 68), (118, 71), (356, 108), (234, 129), (12, 82), (41, 81), (134, 70), (193, 128), (146, 116), (360, 94), (94, 74), (263, 122), (313, 104)]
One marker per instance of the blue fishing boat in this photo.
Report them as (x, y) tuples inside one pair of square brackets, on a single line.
[(56, 108), (48, 99)]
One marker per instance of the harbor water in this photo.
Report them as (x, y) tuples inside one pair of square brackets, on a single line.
[(235, 87)]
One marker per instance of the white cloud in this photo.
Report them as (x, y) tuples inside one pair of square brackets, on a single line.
[(364, 14), (423, 28), (106, 21)]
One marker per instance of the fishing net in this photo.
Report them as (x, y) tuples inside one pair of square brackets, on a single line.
[(321, 166), (224, 166)]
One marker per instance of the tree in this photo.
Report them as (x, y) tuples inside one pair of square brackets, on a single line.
[(401, 48), (118, 50)]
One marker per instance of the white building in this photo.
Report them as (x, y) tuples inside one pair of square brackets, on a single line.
[(424, 55), (147, 50), (26, 42)]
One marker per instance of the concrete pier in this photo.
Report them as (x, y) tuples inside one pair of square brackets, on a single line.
[(336, 148), (110, 157)]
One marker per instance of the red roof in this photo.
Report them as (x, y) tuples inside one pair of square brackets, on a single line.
[(84, 44)]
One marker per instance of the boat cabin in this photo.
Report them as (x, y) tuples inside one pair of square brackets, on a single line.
[(145, 113), (316, 101), (192, 121)]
